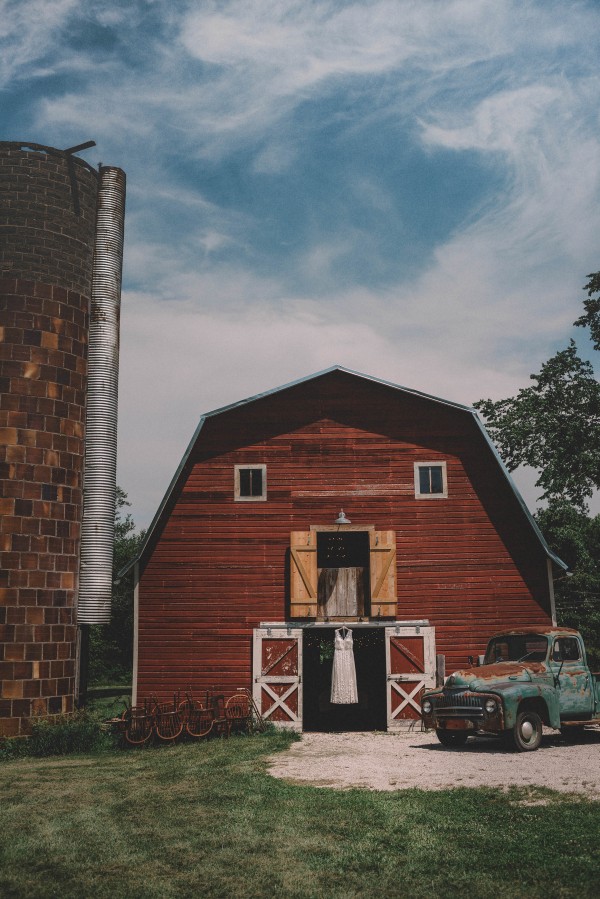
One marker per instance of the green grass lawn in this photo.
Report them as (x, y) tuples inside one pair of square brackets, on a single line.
[(205, 820)]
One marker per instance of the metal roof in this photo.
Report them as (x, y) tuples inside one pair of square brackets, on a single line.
[(337, 368)]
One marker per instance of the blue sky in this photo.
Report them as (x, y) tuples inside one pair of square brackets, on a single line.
[(409, 189)]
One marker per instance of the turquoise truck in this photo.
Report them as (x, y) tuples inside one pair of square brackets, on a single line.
[(527, 679)]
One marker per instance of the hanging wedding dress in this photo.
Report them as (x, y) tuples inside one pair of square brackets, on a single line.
[(343, 679)]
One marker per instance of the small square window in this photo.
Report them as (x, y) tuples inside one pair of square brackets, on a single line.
[(250, 483), (431, 480)]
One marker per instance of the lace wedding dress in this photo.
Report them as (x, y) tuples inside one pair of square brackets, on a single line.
[(343, 679)]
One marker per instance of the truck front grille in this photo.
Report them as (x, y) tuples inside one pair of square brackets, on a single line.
[(460, 704)]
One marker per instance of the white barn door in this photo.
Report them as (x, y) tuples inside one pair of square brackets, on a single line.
[(410, 668), (277, 675)]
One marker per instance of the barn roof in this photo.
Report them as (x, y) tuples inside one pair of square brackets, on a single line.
[(161, 514)]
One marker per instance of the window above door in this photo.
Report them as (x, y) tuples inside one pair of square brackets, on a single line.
[(431, 481), (250, 483)]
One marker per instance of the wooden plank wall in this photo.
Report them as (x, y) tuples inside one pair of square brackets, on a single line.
[(468, 563)]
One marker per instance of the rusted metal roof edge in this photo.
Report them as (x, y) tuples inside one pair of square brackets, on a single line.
[(459, 406), (329, 371)]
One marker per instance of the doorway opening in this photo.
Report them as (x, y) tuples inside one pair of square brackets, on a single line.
[(343, 574), (369, 713)]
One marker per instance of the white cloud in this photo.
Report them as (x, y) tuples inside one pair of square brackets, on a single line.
[(30, 33), (179, 360), (513, 83)]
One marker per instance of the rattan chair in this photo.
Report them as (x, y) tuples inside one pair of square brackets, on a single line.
[(138, 724), (199, 722), (237, 711), (167, 721)]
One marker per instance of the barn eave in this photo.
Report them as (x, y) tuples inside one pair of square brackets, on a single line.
[(160, 516)]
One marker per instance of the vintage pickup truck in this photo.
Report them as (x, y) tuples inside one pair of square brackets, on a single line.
[(527, 678)]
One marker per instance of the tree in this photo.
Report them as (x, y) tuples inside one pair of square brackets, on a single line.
[(591, 317), (111, 645), (554, 426), (575, 538)]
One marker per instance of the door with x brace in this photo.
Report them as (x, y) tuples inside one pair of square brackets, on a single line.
[(410, 668), (277, 675)]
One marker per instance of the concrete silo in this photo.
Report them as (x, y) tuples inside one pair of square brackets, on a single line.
[(61, 239)]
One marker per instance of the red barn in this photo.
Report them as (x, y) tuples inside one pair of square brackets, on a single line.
[(250, 564)]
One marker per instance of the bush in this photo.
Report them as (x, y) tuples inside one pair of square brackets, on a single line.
[(13, 748), (79, 732), (76, 733)]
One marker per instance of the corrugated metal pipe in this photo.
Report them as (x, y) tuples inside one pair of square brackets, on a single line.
[(100, 469)]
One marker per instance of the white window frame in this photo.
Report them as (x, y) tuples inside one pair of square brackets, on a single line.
[(436, 463), (236, 483)]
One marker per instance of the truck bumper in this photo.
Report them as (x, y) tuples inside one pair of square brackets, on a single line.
[(468, 719)]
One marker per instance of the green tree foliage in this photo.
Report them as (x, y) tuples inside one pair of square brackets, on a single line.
[(111, 645), (575, 538), (554, 426), (591, 317)]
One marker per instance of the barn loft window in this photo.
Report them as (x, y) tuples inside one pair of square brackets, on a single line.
[(343, 573), (250, 483), (430, 480)]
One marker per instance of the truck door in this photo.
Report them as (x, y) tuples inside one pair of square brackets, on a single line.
[(575, 688)]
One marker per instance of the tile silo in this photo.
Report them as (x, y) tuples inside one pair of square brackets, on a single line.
[(61, 242)]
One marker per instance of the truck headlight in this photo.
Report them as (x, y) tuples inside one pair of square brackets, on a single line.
[(427, 706), (490, 706)]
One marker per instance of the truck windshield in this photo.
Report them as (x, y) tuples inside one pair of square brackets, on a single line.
[(517, 648)]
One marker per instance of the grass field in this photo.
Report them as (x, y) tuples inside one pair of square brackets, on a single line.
[(205, 820)]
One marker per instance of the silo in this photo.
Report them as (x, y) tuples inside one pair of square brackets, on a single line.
[(48, 247)]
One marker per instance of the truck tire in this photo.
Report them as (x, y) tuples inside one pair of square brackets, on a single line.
[(526, 735), (453, 738)]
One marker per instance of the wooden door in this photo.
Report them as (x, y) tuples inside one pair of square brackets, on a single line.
[(303, 574), (342, 569), (410, 668), (277, 676), (383, 574)]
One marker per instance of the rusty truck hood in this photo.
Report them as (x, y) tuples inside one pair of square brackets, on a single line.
[(484, 677)]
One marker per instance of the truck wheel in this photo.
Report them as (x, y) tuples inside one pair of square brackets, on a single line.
[(526, 735), (452, 737)]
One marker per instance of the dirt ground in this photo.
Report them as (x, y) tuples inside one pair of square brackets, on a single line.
[(381, 761)]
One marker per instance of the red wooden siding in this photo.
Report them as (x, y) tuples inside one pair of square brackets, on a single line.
[(469, 563)]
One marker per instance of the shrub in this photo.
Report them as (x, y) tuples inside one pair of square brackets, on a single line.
[(13, 748), (76, 733)]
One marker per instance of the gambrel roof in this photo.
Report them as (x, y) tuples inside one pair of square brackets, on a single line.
[(180, 475)]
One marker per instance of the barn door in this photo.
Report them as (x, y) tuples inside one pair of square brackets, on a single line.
[(382, 553), (410, 668), (303, 574), (277, 676)]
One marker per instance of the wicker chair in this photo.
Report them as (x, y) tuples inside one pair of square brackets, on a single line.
[(167, 721), (138, 724), (237, 711), (199, 722), (222, 726)]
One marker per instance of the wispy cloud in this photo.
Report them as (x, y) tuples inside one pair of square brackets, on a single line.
[(406, 187)]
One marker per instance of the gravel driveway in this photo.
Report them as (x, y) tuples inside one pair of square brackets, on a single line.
[(379, 761)]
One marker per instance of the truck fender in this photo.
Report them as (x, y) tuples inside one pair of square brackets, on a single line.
[(515, 694)]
